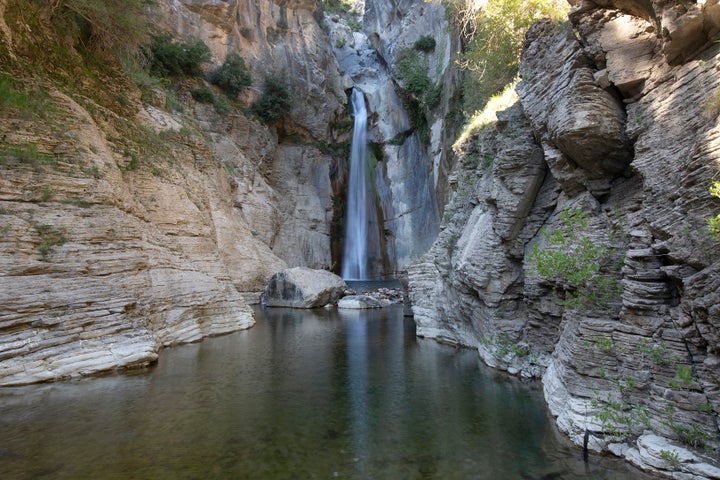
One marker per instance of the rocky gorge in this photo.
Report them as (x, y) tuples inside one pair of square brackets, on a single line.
[(565, 238)]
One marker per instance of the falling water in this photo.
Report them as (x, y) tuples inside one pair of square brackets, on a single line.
[(354, 266)]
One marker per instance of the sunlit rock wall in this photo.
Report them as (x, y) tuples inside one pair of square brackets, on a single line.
[(280, 38)]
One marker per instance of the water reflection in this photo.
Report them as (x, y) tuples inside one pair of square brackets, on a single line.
[(320, 394)]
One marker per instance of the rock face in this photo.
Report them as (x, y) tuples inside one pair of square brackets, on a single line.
[(303, 287), (603, 166), (289, 197), (126, 226), (408, 161)]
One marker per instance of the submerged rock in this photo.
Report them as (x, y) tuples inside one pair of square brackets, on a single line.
[(358, 302), (303, 287)]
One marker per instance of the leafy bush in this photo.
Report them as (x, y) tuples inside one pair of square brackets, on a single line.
[(275, 101), (203, 95), (425, 44), (337, 6), (49, 239), (169, 58), (573, 263), (232, 76), (413, 73)]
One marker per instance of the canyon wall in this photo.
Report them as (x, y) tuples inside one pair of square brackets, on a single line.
[(409, 139), (575, 246), (127, 224)]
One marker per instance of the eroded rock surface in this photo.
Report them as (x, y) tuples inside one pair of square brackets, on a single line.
[(126, 227), (616, 123), (302, 287)]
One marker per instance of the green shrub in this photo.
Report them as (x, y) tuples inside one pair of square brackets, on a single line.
[(413, 73), (232, 76), (337, 6), (203, 95), (221, 105), (49, 239), (170, 58), (425, 44), (275, 101), (573, 263)]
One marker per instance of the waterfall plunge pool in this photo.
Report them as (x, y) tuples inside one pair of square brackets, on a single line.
[(302, 395)]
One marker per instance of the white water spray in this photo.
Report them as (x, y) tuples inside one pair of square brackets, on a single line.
[(354, 266)]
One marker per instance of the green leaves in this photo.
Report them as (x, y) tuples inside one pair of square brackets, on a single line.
[(232, 76), (170, 58), (573, 263), (275, 101)]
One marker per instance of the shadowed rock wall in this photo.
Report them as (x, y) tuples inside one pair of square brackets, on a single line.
[(616, 121)]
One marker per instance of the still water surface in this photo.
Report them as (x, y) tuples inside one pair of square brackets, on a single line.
[(302, 395)]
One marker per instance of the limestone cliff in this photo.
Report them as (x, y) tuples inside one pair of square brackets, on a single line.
[(407, 129), (603, 165), (280, 38), (127, 225)]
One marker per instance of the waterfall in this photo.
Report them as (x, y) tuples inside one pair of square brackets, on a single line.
[(355, 256)]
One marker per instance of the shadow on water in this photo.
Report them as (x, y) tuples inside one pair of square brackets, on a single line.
[(303, 394)]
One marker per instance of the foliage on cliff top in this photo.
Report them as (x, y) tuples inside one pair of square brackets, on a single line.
[(74, 45), (495, 34), (488, 115)]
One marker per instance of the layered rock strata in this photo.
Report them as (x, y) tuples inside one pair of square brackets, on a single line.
[(612, 148), (126, 226)]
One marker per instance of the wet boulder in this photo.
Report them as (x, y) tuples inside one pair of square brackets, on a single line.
[(303, 287)]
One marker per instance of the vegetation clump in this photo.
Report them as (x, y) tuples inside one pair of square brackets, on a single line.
[(49, 239), (426, 44), (413, 73), (337, 6), (573, 263), (171, 58), (203, 95), (232, 76), (275, 101)]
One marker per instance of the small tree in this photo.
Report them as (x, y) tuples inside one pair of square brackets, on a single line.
[(275, 101), (573, 263), (232, 76), (177, 58)]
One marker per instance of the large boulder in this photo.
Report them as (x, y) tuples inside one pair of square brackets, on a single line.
[(303, 287)]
